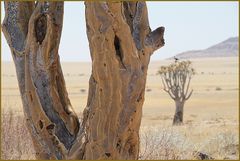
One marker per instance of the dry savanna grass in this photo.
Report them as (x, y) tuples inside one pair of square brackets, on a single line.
[(157, 142), (211, 122), (15, 139)]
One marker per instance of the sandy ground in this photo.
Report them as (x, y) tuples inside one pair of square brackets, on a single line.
[(208, 111)]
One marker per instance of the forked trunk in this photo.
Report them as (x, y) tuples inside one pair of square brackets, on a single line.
[(178, 116), (121, 43)]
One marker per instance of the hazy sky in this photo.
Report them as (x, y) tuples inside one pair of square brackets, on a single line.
[(188, 26)]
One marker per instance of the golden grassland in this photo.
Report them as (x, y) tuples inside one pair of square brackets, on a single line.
[(211, 115)]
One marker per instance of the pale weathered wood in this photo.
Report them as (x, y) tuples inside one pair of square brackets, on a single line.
[(33, 34), (121, 44)]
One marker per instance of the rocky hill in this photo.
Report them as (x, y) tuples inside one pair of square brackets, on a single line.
[(227, 48)]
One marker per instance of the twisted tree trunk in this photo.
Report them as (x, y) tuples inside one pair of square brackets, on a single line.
[(121, 43), (33, 34)]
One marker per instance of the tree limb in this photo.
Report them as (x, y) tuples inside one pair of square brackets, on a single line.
[(155, 39), (187, 88), (170, 94), (189, 95)]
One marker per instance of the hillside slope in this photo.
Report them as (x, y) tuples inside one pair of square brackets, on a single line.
[(227, 48)]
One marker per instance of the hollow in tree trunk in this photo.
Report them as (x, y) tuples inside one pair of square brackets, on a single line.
[(121, 44), (33, 34)]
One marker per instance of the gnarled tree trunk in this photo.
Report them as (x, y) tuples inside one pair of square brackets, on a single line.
[(121, 44), (33, 34)]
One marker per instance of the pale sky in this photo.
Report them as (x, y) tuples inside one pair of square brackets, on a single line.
[(188, 26)]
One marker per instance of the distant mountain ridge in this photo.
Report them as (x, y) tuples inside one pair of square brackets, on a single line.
[(227, 48)]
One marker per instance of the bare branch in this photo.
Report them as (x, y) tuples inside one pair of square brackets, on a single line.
[(189, 95), (167, 87), (171, 94), (188, 83), (155, 39), (163, 82)]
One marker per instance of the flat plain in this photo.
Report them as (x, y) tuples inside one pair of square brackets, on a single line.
[(211, 115)]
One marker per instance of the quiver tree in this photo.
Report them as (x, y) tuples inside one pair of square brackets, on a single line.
[(121, 44), (176, 80)]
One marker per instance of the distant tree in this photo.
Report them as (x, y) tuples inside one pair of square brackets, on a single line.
[(176, 80)]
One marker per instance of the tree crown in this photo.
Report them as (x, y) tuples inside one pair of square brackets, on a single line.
[(179, 67), (176, 79)]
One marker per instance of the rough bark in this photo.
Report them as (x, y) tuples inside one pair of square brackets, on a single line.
[(178, 116), (121, 43), (33, 34)]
